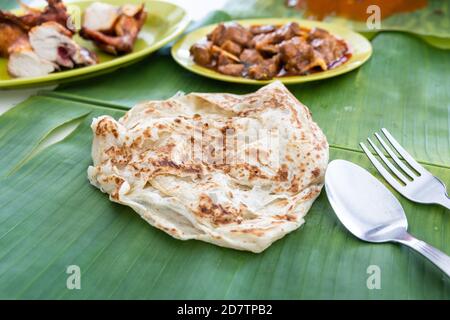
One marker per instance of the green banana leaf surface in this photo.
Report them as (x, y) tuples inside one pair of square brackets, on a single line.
[(52, 218)]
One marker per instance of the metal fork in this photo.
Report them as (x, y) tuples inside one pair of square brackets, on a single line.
[(418, 185)]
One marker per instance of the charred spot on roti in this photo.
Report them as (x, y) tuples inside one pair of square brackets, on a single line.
[(294, 186), (217, 214), (282, 174), (311, 194), (252, 231), (288, 217), (316, 172), (282, 202), (106, 126)]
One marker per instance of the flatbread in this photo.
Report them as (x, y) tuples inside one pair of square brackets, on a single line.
[(238, 171)]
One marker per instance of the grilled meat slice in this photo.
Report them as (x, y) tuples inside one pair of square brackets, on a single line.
[(55, 11), (124, 34), (14, 45), (101, 17), (24, 62), (224, 59), (53, 42)]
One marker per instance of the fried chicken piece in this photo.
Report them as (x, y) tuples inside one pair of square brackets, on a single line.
[(331, 48), (9, 34), (288, 31), (101, 17), (47, 48), (267, 42), (121, 38), (251, 56), (267, 69), (201, 53), (230, 31), (14, 45), (54, 11), (224, 59), (232, 47), (299, 56), (232, 69), (266, 45), (262, 29), (39, 43), (14, 28), (217, 52)]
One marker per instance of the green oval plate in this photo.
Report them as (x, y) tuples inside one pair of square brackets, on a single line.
[(164, 23), (360, 46)]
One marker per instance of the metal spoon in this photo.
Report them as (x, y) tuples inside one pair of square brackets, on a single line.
[(371, 212)]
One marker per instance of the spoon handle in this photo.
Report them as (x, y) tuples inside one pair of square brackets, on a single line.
[(440, 259)]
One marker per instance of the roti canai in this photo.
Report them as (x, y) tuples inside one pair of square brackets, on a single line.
[(239, 171)]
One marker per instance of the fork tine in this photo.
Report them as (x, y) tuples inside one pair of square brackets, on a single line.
[(395, 158), (393, 182), (408, 158), (388, 163)]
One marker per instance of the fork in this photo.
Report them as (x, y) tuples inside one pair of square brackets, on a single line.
[(413, 182)]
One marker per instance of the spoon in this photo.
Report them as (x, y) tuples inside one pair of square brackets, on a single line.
[(371, 212)]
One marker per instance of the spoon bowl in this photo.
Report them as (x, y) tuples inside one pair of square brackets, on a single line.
[(371, 212), (363, 204)]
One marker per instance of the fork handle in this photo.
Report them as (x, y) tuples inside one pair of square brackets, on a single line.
[(444, 201), (437, 257)]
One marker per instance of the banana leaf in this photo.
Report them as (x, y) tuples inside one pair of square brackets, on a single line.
[(51, 217), (7, 4)]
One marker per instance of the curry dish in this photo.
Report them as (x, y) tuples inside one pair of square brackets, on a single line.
[(264, 52)]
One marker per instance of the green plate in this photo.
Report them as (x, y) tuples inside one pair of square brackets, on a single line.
[(165, 22), (360, 46)]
